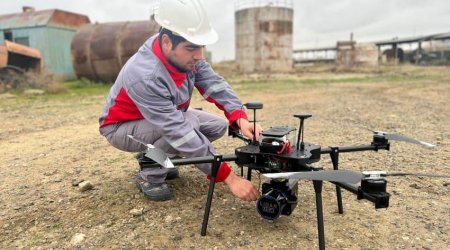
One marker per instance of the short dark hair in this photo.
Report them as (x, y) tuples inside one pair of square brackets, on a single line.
[(175, 39)]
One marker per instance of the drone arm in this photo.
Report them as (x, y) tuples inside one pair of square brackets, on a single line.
[(188, 161), (235, 133), (356, 148), (353, 188), (203, 159), (380, 200)]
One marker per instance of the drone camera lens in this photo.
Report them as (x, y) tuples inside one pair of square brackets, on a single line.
[(270, 205)]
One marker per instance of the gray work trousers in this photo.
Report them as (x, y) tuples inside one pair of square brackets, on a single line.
[(210, 125)]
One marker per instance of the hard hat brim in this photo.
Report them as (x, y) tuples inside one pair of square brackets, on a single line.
[(198, 39), (202, 39)]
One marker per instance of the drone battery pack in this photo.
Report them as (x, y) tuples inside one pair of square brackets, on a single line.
[(275, 139)]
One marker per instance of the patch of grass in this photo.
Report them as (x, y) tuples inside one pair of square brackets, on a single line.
[(77, 88), (18, 82), (83, 87), (269, 83), (73, 90), (35, 240), (284, 84)]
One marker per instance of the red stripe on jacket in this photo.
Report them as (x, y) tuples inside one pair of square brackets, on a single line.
[(231, 117), (123, 110)]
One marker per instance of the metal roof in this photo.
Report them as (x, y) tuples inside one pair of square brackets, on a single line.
[(315, 49), (22, 50), (440, 36), (52, 17)]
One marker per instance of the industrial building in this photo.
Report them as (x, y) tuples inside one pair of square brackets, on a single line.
[(264, 35), (431, 49), (49, 31)]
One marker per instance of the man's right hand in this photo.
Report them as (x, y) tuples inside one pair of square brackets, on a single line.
[(241, 188), (247, 128)]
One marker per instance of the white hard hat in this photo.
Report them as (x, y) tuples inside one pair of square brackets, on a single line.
[(186, 18)]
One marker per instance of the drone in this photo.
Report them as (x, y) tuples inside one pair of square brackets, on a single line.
[(285, 159)]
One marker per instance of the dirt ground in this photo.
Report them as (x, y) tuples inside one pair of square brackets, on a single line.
[(49, 145)]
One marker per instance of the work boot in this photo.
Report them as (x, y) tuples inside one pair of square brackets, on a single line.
[(172, 174), (144, 161), (153, 191)]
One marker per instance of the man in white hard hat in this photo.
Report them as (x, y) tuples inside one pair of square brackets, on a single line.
[(150, 100)]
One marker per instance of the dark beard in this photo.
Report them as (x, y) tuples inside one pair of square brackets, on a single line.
[(177, 66)]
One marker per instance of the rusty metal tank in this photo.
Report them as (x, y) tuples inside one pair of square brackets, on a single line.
[(100, 50)]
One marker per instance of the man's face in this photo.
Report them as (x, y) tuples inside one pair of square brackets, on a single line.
[(185, 56)]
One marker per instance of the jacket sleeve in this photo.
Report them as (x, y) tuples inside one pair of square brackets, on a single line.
[(216, 90), (153, 99)]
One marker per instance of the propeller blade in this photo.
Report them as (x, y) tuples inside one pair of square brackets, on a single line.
[(155, 154), (346, 176), (418, 174), (397, 137)]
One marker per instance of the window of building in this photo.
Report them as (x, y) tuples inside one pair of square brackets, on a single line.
[(22, 40), (8, 35)]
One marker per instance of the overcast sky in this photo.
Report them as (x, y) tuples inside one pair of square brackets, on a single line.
[(317, 23)]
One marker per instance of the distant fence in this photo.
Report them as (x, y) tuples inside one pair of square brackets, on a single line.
[(315, 55)]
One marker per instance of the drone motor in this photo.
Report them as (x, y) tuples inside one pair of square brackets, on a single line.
[(375, 185)]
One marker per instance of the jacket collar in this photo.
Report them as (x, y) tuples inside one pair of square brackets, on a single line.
[(177, 76)]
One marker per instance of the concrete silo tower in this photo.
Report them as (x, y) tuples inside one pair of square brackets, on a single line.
[(264, 35)]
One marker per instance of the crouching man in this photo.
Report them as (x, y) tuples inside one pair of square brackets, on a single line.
[(150, 100)]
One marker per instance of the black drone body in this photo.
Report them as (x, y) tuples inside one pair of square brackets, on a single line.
[(277, 153), (285, 160), (269, 162), (276, 150)]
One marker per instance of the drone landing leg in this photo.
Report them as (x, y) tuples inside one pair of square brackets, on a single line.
[(249, 173), (212, 183), (320, 226), (334, 154)]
